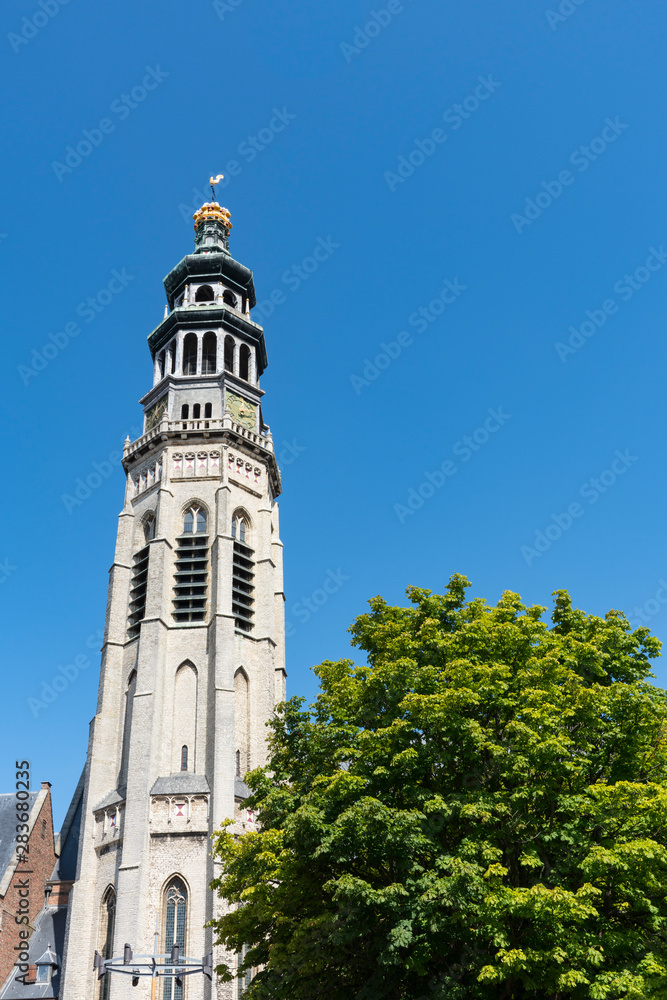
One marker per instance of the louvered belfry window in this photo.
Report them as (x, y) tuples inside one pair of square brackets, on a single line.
[(243, 575), (191, 577), (138, 591)]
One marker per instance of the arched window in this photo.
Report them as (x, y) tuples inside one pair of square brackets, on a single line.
[(127, 730), (160, 364), (208, 410), (229, 299), (204, 294), (229, 354), (243, 574), (172, 357), (190, 354), (184, 719), (185, 411), (107, 922), (194, 520), (239, 527), (209, 353), (150, 525), (175, 927), (196, 411), (242, 722), (244, 362)]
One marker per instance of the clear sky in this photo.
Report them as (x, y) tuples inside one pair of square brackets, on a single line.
[(485, 183)]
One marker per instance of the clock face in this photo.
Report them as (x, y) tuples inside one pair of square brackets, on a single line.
[(244, 413), (154, 415)]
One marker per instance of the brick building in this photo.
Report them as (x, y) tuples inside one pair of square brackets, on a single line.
[(23, 884), (51, 898)]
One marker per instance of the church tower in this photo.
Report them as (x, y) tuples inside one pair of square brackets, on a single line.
[(193, 657)]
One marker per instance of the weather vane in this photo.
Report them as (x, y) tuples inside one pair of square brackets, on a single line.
[(213, 181)]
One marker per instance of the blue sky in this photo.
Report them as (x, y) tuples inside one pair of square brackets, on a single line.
[(488, 180)]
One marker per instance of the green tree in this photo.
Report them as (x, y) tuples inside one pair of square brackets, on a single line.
[(480, 812)]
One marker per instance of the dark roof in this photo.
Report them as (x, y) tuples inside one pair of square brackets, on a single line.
[(181, 784), (49, 932), (112, 799), (66, 864), (8, 826), (241, 790)]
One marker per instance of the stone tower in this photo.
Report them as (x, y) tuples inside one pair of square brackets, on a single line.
[(193, 655)]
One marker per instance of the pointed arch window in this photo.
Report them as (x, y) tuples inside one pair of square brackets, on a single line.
[(243, 574), (190, 354), (175, 929), (107, 926), (240, 527), (209, 353), (150, 525)]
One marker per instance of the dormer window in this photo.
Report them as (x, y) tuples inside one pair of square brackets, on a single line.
[(204, 294)]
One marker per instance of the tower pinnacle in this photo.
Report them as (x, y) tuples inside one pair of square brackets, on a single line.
[(212, 224)]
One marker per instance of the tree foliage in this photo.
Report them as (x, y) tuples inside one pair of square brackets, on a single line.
[(478, 813)]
